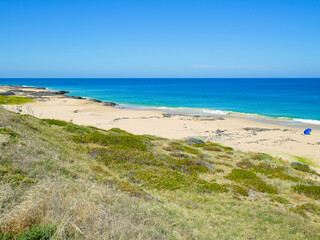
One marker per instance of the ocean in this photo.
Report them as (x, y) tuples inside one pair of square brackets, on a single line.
[(296, 99)]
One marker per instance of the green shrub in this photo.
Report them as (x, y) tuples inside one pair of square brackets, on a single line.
[(310, 207), (238, 190), (278, 173), (73, 128), (68, 126), (299, 211), (245, 164), (175, 146), (251, 180), (212, 148), (9, 132), (279, 199), (120, 141), (267, 169), (209, 187), (13, 176), (261, 156), (55, 122), (303, 167), (217, 147), (38, 232), (12, 100), (311, 191)]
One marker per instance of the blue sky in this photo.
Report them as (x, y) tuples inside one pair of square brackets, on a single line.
[(159, 38)]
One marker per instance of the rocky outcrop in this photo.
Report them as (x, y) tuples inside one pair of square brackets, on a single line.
[(110, 104)]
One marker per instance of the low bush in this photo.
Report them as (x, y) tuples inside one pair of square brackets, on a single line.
[(311, 191), (217, 147), (13, 176), (303, 167), (310, 207), (9, 131), (261, 156), (238, 190), (120, 141), (175, 146), (251, 180), (279, 199)]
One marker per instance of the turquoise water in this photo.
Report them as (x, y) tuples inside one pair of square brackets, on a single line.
[(281, 98)]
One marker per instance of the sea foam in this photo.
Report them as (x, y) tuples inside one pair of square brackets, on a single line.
[(309, 121)]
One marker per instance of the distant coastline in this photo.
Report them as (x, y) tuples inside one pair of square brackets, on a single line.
[(293, 100)]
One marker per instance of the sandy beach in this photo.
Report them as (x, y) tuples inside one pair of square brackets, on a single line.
[(240, 133)]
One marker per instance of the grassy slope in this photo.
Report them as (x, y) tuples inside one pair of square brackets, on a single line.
[(66, 181)]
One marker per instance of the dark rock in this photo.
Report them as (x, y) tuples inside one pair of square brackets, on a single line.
[(219, 132), (166, 115), (96, 100), (8, 93), (61, 92), (76, 97), (109, 104)]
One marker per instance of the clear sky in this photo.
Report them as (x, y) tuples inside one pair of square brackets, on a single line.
[(160, 38)]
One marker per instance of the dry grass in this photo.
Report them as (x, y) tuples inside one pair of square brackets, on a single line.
[(76, 182)]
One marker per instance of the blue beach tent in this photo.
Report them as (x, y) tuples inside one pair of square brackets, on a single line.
[(307, 131)]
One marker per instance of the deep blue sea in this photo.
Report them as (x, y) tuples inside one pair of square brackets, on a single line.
[(296, 98)]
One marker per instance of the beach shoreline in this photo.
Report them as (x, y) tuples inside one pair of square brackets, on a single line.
[(243, 133)]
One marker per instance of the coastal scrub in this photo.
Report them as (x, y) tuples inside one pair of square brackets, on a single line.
[(60, 180)]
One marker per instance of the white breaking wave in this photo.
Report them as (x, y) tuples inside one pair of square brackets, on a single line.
[(215, 112), (212, 112), (309, 121)]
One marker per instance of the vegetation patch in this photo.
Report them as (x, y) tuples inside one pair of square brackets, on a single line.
[(217, 147), (130, 189), (303, 167), (304, 160), (268, 170), (261, 156), (311, 191), (279, 199), (123, 141), (209, 187), (238, 190), (310, 207), (9, 131), (245, 164), (55, 122), (13, 176), (12, 100), (38, 232), (68, 126), (278, 173), (175, 147), (251, 180)]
